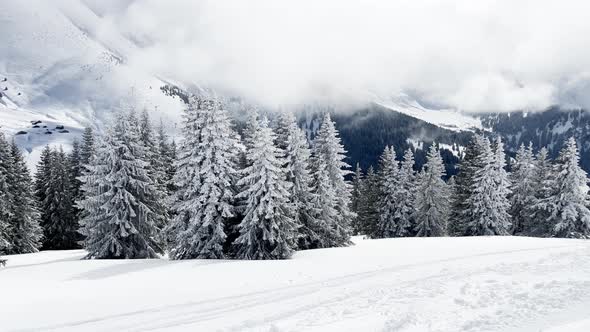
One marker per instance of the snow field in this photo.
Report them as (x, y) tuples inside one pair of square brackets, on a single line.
[(404, 284)]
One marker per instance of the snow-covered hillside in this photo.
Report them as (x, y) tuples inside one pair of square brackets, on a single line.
[(444, 118), (405, 284), (61, 63)]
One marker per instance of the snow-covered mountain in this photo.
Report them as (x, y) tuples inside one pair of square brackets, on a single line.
[(60, 65)]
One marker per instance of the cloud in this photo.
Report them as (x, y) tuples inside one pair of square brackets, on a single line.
[(485, 55)]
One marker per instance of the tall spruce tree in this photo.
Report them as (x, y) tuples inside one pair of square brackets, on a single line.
[(488, 202), (118, 219), (88, 146), (59, 223), (25, 234), (369, 204), (291, 139), (539, 221), (5, 197), (406, 195), (267, 230), (327, 144), (570, 199), (389, 183), (355, 203), (523, 188), (205, 199), (432, 197), (463, 188)]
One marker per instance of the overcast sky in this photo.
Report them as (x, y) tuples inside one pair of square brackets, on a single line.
[(473, 55)]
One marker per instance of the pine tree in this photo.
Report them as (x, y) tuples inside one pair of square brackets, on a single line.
[(406, 195), (88, 146), (267, 230), (24, 231), (205, 201), (432, 198), (75, 171), (118, 221), (569, 201), (59, 223), (488, 214), (389, 185), (5, 197), (355, 203), (539, 223), (369, 210), (523, 188), (167, 154), (327, 145), (291, 139), (460, 208)]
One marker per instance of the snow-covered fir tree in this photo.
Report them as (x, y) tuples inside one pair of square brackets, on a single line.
[(432, 197), (369, 204), (523, 188), (4, 194), (327, 145), (356, 197), (291, 139), (59, 223), (389, 184), (267, 230), (167, 152), (75, 171), (205, 197), (328, 229), (570, 199), (88, 146), (118, 220), (539, 222), (463, 190), (25, 234), (489, 197), (406, 195)]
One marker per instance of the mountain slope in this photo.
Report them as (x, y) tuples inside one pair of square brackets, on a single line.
[(404, 284)]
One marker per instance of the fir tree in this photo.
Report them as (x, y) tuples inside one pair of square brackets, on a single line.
[(432, 198), (24, 231), (205, 201), (406, 195), (267, 230), (488, 202), (369, 205), (523, 188), (539, 223), (87, 149), (59, 223), (570, 200), (5, 197), (291, 139), (327, 145), (389, 185), (118, 221), (355, 203)]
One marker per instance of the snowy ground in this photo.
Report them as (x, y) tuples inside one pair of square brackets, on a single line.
[(445, 284)]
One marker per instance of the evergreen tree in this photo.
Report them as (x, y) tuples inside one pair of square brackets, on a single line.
[(291, 139), (569, 202), (327, 145), (539, 223), (523, 188), (5, 197), (118, 220), (24, 231), (267, 230), (460, 208), (389, 184), (205, 199), (167, 154), (488, 214), (369, 205), (59, 223), (432, 198), (406, 195), (87, 150), (75, 171), (355, 203)]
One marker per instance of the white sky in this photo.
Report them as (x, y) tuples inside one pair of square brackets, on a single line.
[(473, 55)]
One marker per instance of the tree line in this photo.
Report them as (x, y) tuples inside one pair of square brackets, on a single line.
[(539, 197), (266, 191)]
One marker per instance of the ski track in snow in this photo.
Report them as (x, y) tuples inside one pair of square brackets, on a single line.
[(501, 288)]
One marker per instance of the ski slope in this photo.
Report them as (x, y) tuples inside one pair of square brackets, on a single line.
[(411, 284)]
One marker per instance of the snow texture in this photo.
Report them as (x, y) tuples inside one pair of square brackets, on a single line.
[(404, 284)]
